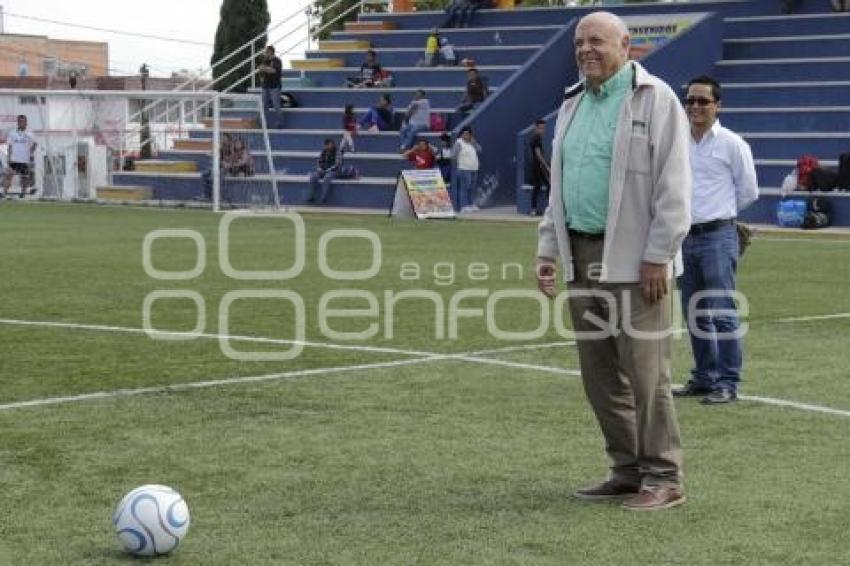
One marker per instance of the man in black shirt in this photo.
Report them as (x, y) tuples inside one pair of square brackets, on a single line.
[(538, 168), (327, 166), (270, 70), (476, 91), (370, 72)]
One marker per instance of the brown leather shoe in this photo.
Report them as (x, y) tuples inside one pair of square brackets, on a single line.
[(609, 489), (655, 499)]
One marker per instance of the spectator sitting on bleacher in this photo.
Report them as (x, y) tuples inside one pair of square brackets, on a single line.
[(447, 54), (460, 12), (378, 118), (417, 119), (421, 155), (455, 13), (370, 72), (349, 127), (326, 169), (432, 49), (476, 92), (236, 159)]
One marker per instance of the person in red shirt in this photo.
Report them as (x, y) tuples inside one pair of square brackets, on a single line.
[(421, 155)]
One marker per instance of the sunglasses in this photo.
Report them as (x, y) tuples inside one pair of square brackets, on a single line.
[(698, 101)]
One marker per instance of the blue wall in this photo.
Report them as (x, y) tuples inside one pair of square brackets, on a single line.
[(495, 122)]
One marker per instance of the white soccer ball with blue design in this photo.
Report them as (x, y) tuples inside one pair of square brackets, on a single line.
[(151, 520)]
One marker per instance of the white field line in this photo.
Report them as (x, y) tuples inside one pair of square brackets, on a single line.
[(205, 384), (520, 348), (815, 317), (260, 339), (206, 335), (804, 240), (424, 357), (795, 405)]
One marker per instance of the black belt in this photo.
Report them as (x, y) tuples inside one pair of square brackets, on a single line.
[(585, 235), (710, 226)]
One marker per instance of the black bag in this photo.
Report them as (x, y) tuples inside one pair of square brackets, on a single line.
[(818, 214), (843, 181), (824, 179), (815, 220), (287, 100)]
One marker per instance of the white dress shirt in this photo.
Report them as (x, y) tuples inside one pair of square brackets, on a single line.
[(724, 175)]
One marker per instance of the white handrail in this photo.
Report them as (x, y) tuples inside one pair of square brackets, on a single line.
[(299, 42), (250, 42), (209, 85), (194, 112)]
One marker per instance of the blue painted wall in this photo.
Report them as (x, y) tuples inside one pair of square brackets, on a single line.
[(495, 122)]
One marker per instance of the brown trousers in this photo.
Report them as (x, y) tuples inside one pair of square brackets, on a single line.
[(626, 377)]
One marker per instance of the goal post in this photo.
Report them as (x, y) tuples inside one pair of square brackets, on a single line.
[(88, 149)]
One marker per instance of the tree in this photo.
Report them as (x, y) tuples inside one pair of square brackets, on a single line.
[(327, 13), (241, 20)]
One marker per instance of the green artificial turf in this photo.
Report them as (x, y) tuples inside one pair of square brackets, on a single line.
[(437, 461)]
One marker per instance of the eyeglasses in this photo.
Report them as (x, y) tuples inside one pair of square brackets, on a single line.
[(698, 101)]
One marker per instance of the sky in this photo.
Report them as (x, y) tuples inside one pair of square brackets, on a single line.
[(190, 20)]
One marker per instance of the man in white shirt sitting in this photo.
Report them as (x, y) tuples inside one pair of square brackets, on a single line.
[(21, 157), (724, 183)]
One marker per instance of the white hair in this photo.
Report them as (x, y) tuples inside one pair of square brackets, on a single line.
[(608, 19)]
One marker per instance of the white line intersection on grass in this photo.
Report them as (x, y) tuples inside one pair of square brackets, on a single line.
[(421, 357)]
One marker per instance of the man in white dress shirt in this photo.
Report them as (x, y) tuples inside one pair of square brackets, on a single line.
[(724, 183)]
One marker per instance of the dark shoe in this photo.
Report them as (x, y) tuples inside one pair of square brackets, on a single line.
[(719, 397), (691, 389), (655, 499), (606, 490)]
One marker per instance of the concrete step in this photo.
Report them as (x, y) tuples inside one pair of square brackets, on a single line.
[(480, 37), (365, 192), (326, 45), (369, 26), (304, 162), (317, 63), (311, 139), (778, 70), (193, 144), (791, 119), (322, 97), (786, 93), (787, 47), (247, 122), (544, 15), (328, 118), (165, 166), (124, 193), (790, 145), (410, 56), (785, 25), (422, 77)]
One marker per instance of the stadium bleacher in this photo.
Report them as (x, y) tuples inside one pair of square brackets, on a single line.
[(786, 82)]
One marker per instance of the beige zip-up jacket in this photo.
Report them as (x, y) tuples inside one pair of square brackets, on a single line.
[(650, 187)]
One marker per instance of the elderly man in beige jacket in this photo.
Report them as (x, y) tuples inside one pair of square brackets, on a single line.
[(618, 212)]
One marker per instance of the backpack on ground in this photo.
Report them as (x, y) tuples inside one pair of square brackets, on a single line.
[(790, 213)]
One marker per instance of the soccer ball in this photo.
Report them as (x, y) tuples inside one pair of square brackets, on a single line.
[(151, 520)]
